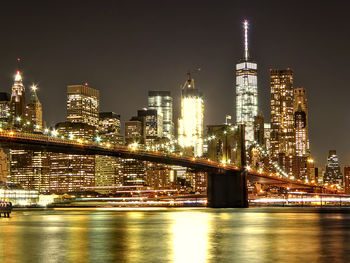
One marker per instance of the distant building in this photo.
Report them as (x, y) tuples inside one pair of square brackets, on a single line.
[(197, 181), (133, 172), (160, 176), (153, 125), (83, 104), (246, 91), (75, 131), (282, 118), (29, 169), (259, 131), (145, 128), (163, 103), (190, 133), (301, 144), (347, 179), (267, 137), (134, 131), (312, 171), (70, 172), (108, 168), (109, 128), (34, 112), (333, 174), (18, 99), (5, 110), (108, 172), (301, 123)]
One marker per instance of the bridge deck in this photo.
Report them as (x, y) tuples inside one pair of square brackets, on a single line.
[(15, 140)]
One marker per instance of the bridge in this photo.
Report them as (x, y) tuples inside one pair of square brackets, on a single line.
[(227, 183)]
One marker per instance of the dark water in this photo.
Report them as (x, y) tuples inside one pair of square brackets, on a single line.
[(177, 235)]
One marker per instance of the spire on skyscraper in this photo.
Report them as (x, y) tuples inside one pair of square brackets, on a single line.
[(246, 90), (18, 95), (245, 27)]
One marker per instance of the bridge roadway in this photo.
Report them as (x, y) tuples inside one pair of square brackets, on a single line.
[(39, 142)]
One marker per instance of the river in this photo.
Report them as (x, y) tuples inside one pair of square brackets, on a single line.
[(176, 235)]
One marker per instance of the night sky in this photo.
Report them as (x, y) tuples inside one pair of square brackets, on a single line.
[(125, 48)]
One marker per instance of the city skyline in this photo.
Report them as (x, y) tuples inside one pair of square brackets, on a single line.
[(215, 82), (218, 129)]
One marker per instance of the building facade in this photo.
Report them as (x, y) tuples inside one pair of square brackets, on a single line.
[(109, 128), (163, 103), (83, 104), (134, 131), (70, 172), (160, 176), (108, 169), (333, 173), (34, 112), (246, 91), (18, 98), (301, 123), (282, 138), (5, 110), (153, 125), (29, 170), (190, 130)]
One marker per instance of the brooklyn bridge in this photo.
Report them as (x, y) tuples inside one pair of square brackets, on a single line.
[(226, 182)]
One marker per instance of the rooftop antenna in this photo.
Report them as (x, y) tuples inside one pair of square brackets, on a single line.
[(19, 64), (245, 26)]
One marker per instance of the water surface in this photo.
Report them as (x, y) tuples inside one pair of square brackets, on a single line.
[(177, 235)]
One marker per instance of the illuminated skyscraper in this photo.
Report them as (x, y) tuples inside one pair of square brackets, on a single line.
[(18, 98), (134, 131), (4, 109), (246, 91), (163, 103), (160, 176), (153, 124), (333, 174), (71, 172), (108, 168), (83, 104), (108, 172), (29, 169), (190, 133), (34, 113), (300, 132), (109, 128), (282, 118), (301, 123), (267, 137)]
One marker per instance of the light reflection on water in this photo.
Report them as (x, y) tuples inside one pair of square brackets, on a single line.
[(177, 235)]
